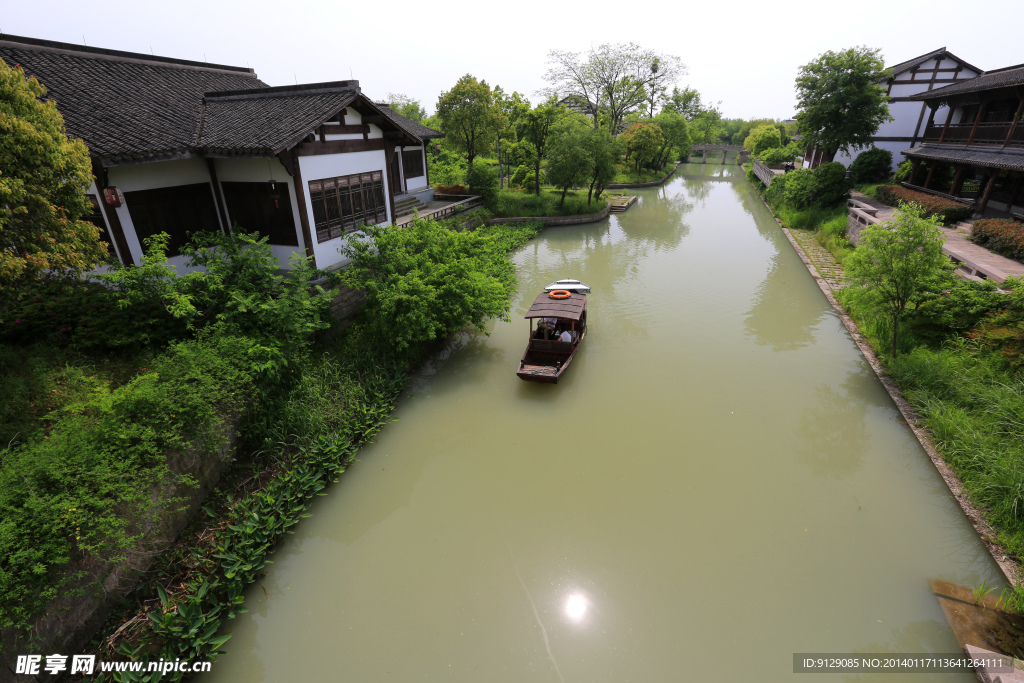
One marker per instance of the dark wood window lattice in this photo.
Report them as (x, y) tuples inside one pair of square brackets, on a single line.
[(412, 163), (252, 208), (177, 211), (343, 204)]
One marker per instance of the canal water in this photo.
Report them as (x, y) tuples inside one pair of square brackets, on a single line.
[(718, 482)]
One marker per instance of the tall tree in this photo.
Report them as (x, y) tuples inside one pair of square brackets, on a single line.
[(512, 107), (677, 136), (618, 78), (406, 106), (43, 180), (569, 161), (643, 141), (537, 124), (468, 117), (706, 125), (840, 100), (604, 152)]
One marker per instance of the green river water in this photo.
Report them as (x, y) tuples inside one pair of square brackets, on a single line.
[(718, 482)]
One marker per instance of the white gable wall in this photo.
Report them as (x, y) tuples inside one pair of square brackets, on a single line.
[(321, 166)]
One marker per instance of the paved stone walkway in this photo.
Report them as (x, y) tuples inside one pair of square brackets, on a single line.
[(829, 269)]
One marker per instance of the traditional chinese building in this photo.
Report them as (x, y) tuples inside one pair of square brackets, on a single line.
[(911, 78), (977, 126), (179, 146)]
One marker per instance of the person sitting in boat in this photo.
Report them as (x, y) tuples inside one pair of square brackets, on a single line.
[(566, 336), (548, 327)]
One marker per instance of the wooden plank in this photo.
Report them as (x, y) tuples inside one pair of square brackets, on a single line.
[(306, 149), (218, 197), (113, 221), (341, 129)]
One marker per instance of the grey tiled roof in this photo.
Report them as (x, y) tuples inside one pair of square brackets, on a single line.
[(990, 80), (265, 122), (131, 107), (125, 106), (417, 130), (1010, 160)]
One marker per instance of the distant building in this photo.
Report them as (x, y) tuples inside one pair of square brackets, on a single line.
[(920, 74), (180, 146)]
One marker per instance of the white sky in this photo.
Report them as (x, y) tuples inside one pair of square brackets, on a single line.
[(742, 53)]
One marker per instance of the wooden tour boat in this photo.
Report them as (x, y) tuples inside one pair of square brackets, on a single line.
[(561, 310)]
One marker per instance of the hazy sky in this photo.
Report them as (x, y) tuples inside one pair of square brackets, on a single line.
[(744, 54)]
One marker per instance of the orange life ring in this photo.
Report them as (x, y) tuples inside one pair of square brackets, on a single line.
[(560, 294)]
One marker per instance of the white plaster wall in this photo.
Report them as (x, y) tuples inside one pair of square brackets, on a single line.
[(150, 176), (330, 166), (262, 171), (344, 136), (352, 117)]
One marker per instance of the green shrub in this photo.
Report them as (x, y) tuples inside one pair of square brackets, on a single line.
[(775, 156), (1003, 236), (801, 189), (831, 186), (85, 315), (871, 166), (91, 484), (1003, 332), (955, 310), (511, 203), (946, 210), (483, 181)]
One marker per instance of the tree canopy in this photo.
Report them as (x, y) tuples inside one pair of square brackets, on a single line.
[(841, 100), (536, 125), (43, 180), (615, 78), (406, 106), (468, 117)]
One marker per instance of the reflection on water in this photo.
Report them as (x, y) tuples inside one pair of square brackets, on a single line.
[(718, 482)]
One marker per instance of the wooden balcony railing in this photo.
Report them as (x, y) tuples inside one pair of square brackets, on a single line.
[(984, 134)]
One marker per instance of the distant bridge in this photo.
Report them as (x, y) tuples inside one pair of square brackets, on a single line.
[(744, 152)]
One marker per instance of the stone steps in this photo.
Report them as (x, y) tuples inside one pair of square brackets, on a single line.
[(406, 205)]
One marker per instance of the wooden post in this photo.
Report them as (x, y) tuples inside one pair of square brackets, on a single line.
[(1017, 183), (1016, 120), (949, 117), (977, 119), (300, 199), (218, 197), (913, 170), (931, 170), (113, 220), (993, 174), (931, 119), (723, 157), (958, 180), (705, 160)]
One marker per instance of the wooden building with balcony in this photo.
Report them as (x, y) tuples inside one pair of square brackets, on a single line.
[(975, 144)]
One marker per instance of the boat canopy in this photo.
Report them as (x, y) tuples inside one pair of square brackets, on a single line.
[(571, 285), (567, 309)]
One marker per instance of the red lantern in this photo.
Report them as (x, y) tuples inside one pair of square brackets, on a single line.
[(112, 196)]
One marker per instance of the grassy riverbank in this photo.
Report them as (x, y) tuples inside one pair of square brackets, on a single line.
[(302, 432), (960, 364)]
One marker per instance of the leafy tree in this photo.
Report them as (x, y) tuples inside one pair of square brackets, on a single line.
[(706, 125), (616, 78), (424, 281), (569, 160), (604, 151), (840, 100), (894, 263), (43, 180), (762, 139), (446, 167), (406, 106), (871, 166), (537, 124), (685, 102), (513, 107), (677, 136), (468, 117), (642, 142)]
